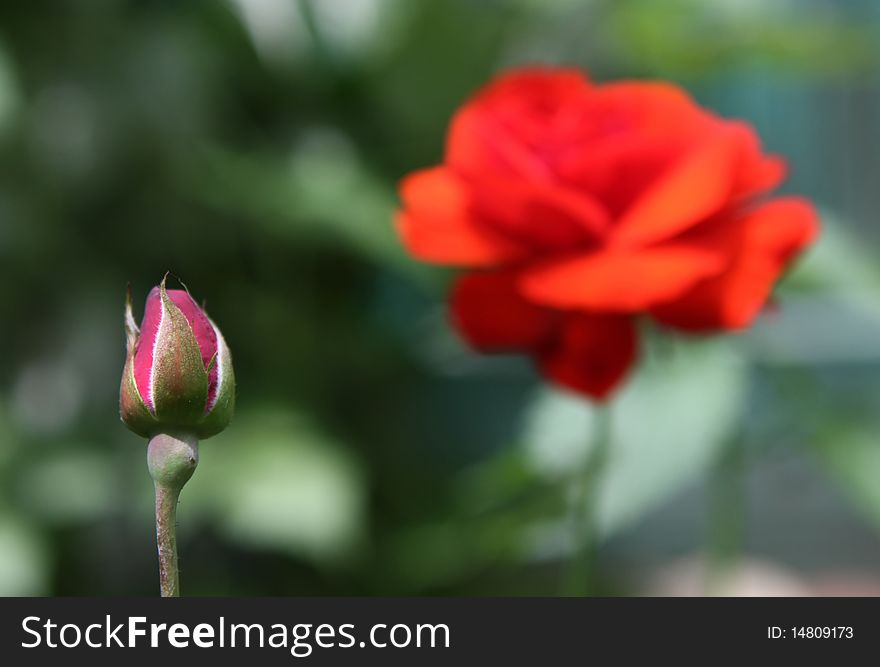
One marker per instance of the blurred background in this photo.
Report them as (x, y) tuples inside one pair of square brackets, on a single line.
[(253, 147)]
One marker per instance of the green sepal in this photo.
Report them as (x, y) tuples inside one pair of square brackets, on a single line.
[(221, 413), (180, 382), (132, 409), (132, 331)]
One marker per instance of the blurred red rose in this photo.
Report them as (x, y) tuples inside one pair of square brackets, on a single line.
[(579, 206)]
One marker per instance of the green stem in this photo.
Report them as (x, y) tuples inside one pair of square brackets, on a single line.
[(581, 576), (726, 520), (166, 540), (172, 460)]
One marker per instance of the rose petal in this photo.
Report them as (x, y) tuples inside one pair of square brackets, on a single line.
[(590, 354), (616, 172), (143, 356), (200, 325), (497, 128), (438, 225), (756, 172), (763, 241), (539, 216), (633, 133), (648, 110), (626, 281), (492, 316), (690, 191)]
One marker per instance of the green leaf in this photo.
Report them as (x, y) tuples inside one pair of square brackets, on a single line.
[(851, 456), (24, 559), (271, 480), (829, 306), (667, 426), (322, 190), (838, 261)]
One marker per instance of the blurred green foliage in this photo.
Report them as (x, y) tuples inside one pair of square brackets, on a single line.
[(253, 147)]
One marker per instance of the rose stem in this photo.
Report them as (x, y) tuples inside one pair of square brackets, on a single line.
[(166, 539), (726, 515), (172, 459), (581, 576)]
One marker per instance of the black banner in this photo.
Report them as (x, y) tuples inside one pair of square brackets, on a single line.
[(432, 631)]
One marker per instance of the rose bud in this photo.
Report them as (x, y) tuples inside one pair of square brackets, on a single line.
[(178, 374)]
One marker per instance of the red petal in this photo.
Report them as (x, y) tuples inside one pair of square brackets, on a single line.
[(756, 172), (617, 172), (143, 356), (201, 327), (591, 354), (627, 281), (540, 216), (695, 187), (497, 129), (648, 109), (437, 224), (633, 133), (763, 242), (492, 316)]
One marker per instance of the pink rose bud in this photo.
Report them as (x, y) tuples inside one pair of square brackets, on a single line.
[(178, 371)]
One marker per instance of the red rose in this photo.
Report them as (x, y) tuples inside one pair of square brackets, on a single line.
[(581, 206)]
